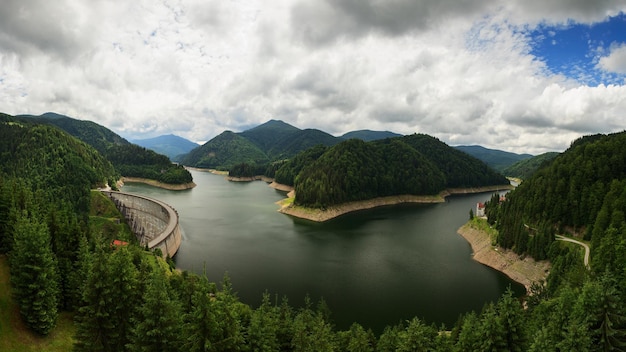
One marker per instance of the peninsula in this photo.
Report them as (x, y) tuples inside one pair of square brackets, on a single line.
[(288, 207)]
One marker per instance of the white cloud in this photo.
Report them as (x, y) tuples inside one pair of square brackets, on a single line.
[(458, 70), (615, 62)]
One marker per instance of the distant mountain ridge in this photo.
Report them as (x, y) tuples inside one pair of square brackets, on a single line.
[(268, 142), (369, 135), (170, 145), (497, 159)]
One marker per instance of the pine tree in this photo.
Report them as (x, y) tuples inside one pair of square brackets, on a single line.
[(94, 321), (158, 324), (103, 322), (262, 332), (34, 275)]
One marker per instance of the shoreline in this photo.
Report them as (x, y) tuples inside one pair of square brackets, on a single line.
[(155, 183), (320, 215), (525, 271)]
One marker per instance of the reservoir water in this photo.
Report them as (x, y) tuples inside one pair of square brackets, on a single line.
[(376, 267)]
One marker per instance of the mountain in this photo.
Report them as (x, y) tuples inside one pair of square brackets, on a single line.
[(497, 159), (170, 145), (128, 159), (267, 135), (272, 141), (225, 151), (369, 135), (525, 168)]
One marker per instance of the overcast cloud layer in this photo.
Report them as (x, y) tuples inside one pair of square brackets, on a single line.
[(460, 70)]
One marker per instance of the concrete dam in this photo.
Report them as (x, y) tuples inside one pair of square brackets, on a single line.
[(155, 223)]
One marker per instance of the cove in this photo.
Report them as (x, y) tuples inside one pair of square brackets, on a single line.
[(376, 267)]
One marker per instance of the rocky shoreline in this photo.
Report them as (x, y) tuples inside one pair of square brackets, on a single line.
[(171, 187), (321, 215), (524, 270)]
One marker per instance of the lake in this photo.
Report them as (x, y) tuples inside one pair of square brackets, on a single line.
[(376, 267)]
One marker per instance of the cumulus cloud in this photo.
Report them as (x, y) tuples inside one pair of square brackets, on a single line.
[(615, 62), (459, 70)]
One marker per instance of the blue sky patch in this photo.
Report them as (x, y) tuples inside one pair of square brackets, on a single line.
[(574, 50)]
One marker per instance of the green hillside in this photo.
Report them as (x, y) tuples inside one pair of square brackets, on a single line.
[(299, 141), (225, 151), (582, 191), (287, 173), (461, 170), (47, 157), (129, 159), (524, 169)]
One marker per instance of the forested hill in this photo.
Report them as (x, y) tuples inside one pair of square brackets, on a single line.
[(129, 159), (89, 132), (63, 168), (355, 170), (224, 151), (272, 141), (461, 169), (582, 191), (524, 169)]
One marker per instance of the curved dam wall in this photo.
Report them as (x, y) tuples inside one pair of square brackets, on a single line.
[(154, 223)]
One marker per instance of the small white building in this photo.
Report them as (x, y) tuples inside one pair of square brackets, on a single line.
[(480, 209)]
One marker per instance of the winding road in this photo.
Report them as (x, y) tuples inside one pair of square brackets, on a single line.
[(567, 239)]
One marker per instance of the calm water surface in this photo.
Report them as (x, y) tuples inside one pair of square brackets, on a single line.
[(376, 267)]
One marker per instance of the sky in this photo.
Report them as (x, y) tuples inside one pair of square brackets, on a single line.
[(526, 76)]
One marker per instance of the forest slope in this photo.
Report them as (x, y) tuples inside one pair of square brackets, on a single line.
[(582, 191), (127, 158)]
